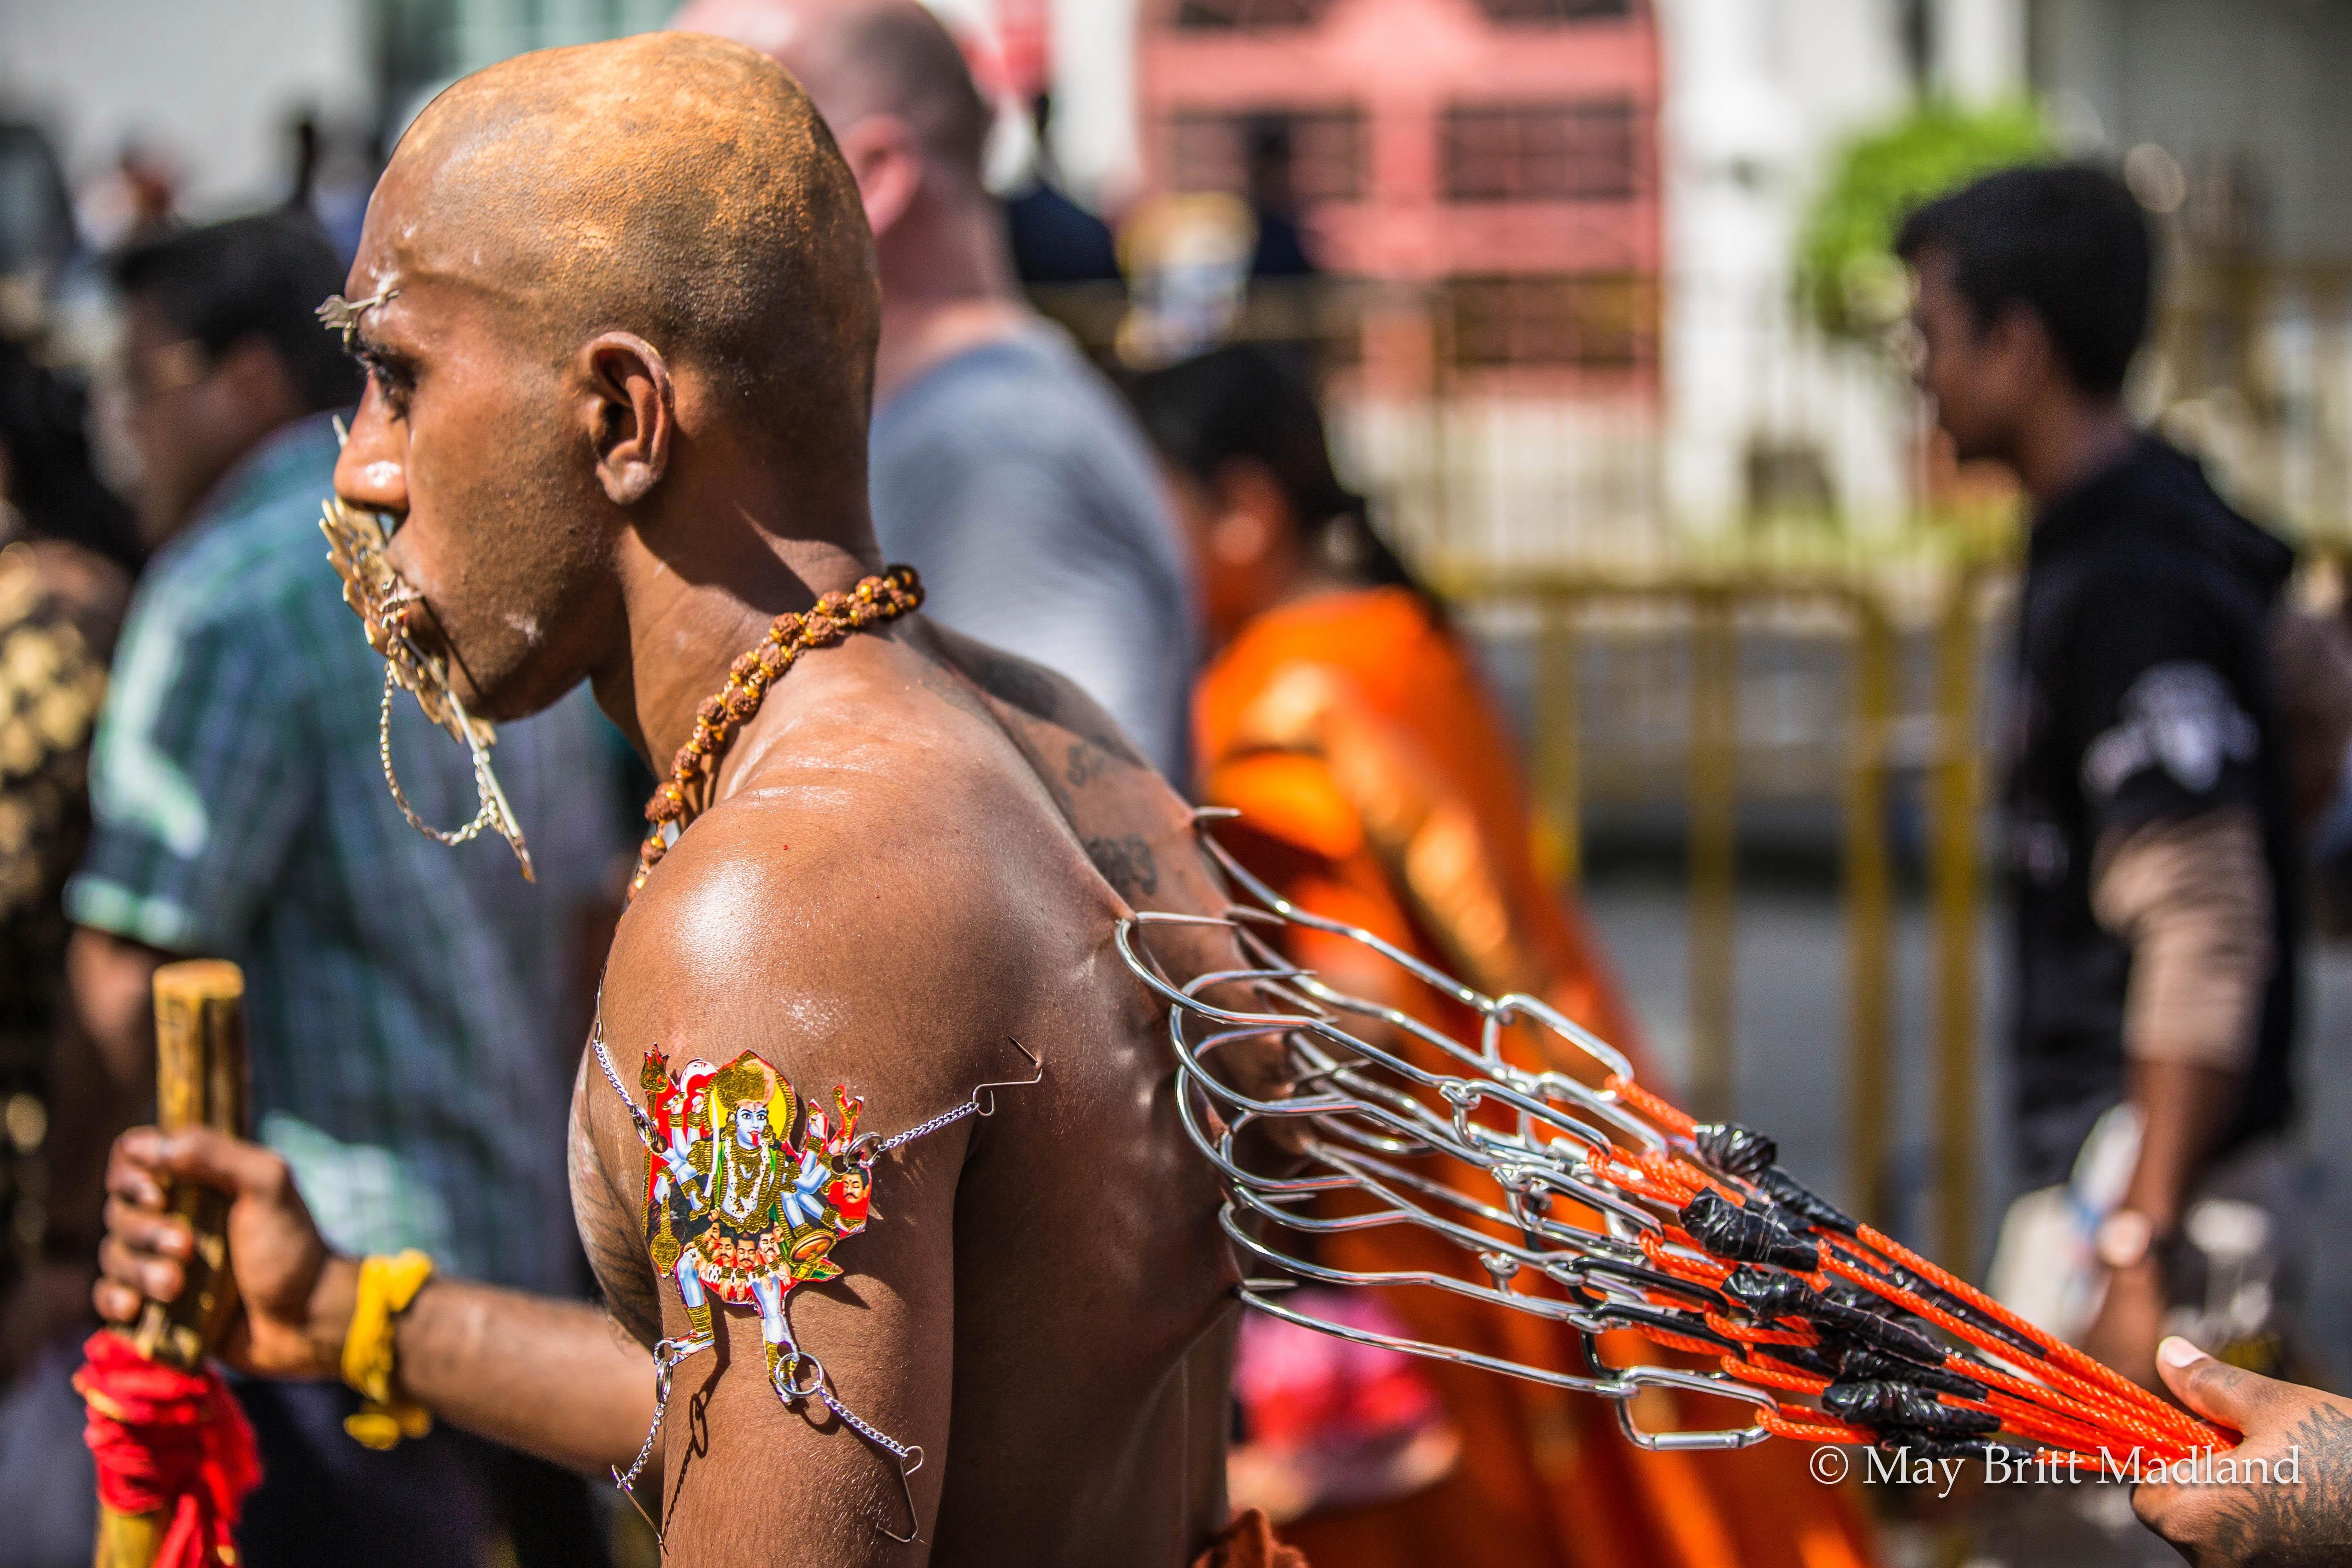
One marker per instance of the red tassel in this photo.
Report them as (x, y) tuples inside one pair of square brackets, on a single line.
[(171, 1442)]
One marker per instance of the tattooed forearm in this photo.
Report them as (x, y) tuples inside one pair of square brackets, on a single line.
[(2290, 1524)]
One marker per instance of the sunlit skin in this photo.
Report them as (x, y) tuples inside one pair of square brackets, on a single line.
[(897, 878), (945, 264), (2301, 1522)]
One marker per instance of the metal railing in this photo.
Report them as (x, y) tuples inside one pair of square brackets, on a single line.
[(1872, 735), (1540, 487)]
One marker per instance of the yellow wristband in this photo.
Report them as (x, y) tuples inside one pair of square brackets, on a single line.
[(387, 1285)]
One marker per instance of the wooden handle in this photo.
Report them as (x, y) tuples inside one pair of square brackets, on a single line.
[(200, 1081)]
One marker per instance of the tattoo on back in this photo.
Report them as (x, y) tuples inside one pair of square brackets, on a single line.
[(1022, 685), (1125, 863)]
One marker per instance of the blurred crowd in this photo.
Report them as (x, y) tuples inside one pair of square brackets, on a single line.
[(189, 767)]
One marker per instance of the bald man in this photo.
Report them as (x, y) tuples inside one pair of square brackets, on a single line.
[(1003, 466), (618, 306)]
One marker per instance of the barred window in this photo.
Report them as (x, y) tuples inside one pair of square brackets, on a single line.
[(1322, 150), (1554, 10), (1597, 320), (1241, 14), (1540, 151)]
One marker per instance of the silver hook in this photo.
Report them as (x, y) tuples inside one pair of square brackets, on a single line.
[(989, 1088)]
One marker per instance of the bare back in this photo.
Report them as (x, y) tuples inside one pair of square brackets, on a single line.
[(923, 852)]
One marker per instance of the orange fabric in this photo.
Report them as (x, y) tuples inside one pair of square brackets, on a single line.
[(1377, 787)]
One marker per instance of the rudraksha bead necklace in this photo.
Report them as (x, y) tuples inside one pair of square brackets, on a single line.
[(830, 620)]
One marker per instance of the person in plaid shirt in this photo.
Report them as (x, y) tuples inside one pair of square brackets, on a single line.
[(411, 1010)]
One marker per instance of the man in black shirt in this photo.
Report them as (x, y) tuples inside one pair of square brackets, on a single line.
[(2153, 849)]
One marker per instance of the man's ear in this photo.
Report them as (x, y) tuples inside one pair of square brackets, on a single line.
[(886, 158), (630, 412), (2020, 340)]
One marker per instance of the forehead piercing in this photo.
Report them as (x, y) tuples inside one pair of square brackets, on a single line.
[(341, 316)]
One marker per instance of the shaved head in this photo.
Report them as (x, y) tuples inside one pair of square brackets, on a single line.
[(866, 57), (619, 306), (676, 186)]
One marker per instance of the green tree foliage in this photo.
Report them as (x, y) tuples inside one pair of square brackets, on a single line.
[(1846, 270)]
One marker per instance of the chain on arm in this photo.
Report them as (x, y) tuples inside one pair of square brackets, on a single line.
[(813, 1187)]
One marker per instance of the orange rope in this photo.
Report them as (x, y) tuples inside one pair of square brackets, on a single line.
[(1671, 1117), (1807, 1336), (2128, 1419), (1775, 1374), (2075, 1410), (1782, 1425), (2056, 1352), (2049, 1399), (1703, 1271), (1679, 1341), (2138, 1412)]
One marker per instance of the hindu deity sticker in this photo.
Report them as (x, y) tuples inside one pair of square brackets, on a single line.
[(740, 1207), (736, 1206)]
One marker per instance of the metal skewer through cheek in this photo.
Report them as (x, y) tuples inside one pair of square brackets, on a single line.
[(356, 539)]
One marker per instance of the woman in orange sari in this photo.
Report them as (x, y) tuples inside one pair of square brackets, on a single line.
[(1342, 716)]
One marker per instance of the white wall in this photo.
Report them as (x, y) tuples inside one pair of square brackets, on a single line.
[(1979, 48), (1095, 130), (1757, 92), (213, 83)]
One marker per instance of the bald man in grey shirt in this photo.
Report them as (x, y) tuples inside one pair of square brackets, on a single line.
[(1002, 467), (1014, 479)]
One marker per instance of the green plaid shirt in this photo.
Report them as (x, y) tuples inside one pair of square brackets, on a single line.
[(403, 998)]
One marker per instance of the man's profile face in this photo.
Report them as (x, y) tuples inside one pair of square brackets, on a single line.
[(460, 439), (1969, 369), (190, 415)]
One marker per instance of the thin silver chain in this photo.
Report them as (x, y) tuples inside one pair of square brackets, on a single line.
[(666, 1355), (945, 1119), (485, 817), (669, 1353), (899, 1451)]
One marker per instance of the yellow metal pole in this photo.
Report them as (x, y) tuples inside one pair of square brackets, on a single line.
[(1558, 759), (1869, 912), (1954, 876), (1713, 848)]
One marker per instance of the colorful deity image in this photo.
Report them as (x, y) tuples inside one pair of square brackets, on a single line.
[(736, 1206)]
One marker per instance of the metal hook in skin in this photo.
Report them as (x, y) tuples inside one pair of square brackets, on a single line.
[(988, 1088), (907, 1486), (794, 1386), (1371, 1113)]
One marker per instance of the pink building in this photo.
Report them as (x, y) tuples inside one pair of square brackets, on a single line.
[(1503, 153)]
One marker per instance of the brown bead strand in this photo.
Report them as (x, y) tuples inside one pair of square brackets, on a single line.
[(875, 600)]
